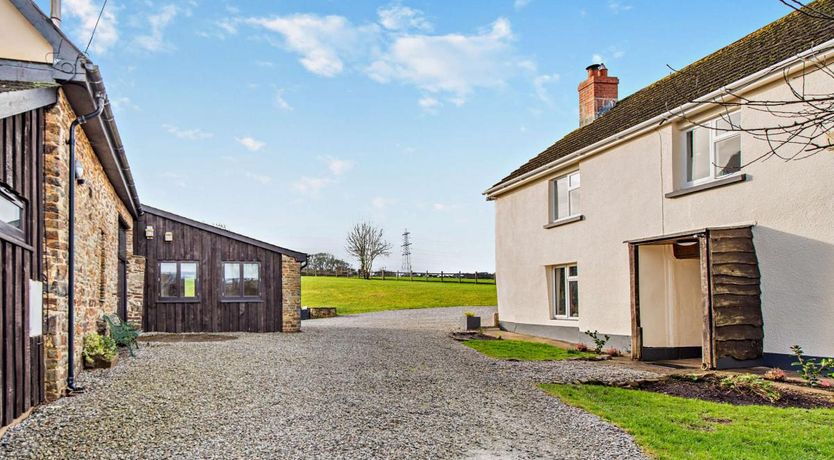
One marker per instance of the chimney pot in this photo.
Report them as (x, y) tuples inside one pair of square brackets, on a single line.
[(597, 94), (55, 12)]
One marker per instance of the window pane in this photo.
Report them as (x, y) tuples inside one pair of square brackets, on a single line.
[(697, 154), (573, 271), (250, 280), (188, 277), (231, 280), (726, 123), (573, 198), (728, 156), (562, 206), (10, 212), (573, 286), (574, 180), (559, 291), (168, 279)]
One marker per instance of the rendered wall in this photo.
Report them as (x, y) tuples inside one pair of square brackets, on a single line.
[(19, 40)]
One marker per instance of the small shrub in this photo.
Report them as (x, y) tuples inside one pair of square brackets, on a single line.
[(599, 343), (775, 374), (612, 352), (751, 384), (469, 314), (97, 346), (810, 369), (581, 347)]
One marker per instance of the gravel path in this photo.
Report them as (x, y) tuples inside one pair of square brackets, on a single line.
[(380, 385)]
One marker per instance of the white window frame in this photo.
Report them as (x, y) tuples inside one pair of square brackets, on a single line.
[(715, 136), (554, 199), (565, 288)]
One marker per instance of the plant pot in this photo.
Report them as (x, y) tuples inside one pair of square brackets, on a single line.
[(101, 363), (305, 313), (473, 323)]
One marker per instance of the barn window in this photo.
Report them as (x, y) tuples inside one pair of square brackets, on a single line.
[(178, 280), (241, 280), (11, 215)]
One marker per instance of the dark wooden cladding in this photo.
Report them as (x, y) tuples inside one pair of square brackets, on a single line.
[(209, 312), (21, 357), (736, 296)]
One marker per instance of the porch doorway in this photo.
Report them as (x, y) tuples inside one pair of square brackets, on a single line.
[(696, 295)]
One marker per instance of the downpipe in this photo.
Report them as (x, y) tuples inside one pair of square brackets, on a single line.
[(100, 100)]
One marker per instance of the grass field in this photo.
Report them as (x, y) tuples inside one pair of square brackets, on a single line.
[(669, 427), (351, 295), (523, 351)]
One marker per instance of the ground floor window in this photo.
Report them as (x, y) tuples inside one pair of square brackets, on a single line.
[(241, 279), (178, 280), (566, 291)]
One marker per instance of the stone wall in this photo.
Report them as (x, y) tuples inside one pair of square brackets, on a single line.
[(291, 288), (98, 211)]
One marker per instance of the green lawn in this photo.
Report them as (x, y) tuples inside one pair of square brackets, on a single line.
[(523, 351), (669, 427), (351, 295)]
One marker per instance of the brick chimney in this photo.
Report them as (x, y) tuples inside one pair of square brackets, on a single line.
[(597, 94)]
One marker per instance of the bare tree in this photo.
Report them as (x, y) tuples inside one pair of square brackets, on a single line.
[(799, 125), (365, 242)]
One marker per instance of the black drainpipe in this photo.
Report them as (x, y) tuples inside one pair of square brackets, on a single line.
[(71, 269)]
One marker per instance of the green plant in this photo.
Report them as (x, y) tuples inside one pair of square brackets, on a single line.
[(124, 334), (810, 369), (751, 384), (97, 346), (469, 314), (599, 343)]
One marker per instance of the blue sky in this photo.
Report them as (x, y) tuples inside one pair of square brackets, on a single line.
[(291, 120)]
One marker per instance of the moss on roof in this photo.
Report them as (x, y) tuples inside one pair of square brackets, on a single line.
[(7, 86), (773, 43)]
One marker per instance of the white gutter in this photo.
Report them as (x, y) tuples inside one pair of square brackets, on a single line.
[(511, 184)]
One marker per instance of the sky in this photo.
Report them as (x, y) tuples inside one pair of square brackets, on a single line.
[(290, 121)]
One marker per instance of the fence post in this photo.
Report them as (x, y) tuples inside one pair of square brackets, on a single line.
[(441, 276), (460, 277), (383, 274), (476, 276), (427, 275)]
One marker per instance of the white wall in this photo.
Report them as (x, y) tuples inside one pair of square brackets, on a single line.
[(19, 40), (622, 194), (671, 302)]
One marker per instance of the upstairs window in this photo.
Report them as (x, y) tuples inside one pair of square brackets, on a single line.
[(564, 197), (713, 150), (241, 280), (178, 280), (11, 215), (566, 292)]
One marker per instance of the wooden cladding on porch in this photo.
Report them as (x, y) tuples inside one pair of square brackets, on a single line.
[(736, 294)]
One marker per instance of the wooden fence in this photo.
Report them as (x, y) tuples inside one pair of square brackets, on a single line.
[(441, 277)]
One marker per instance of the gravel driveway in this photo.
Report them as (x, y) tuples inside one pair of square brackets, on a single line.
[(380, 385)]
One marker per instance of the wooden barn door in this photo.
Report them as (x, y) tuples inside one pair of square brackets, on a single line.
[(122, 274), (21, 344)]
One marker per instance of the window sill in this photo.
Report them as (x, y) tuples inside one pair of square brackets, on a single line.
[(242, 300), (565, 221), (564, 318), (183, 300), (707, 186)]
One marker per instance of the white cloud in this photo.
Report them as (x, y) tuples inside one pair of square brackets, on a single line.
[(441, 207), (311, 185), (453, 63), (228, 26), (429, 104), (336, 166), (123, 102), (597, 59), (194, 134), (250, 143), (540, 82), (154, 40), (519, 4), (398, 17), (616, 6), (177, 179), (87, 12), (320, 40), (280, 102), (258, 177), (379, 202)]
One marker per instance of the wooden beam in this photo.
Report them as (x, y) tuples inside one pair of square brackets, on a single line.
[(636, 330), (707, 345)]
